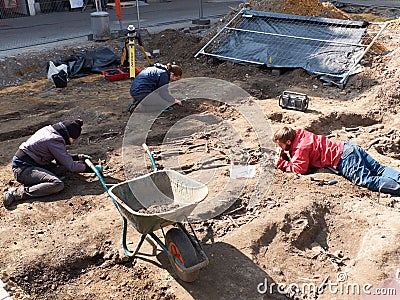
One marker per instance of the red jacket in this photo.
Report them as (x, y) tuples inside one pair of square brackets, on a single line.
[(309, 150)]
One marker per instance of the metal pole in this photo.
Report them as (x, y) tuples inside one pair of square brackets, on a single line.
[(201, 20), (200, 9), (138, 16), (201, 51), (344, 80), (296, 37)]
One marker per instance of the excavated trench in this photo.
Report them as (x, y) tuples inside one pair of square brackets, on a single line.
[(297, 231), (41, 278), (325, 125)]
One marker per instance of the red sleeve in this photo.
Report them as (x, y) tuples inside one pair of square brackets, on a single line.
[(298, 164)]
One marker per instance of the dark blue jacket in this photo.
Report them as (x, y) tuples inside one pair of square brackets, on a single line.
[(151, 79)]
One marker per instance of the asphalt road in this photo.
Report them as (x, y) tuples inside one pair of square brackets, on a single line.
[(41, 29)]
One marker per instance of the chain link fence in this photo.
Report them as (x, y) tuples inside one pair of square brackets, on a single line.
[(327, 47), (54, 21), (23, 8)]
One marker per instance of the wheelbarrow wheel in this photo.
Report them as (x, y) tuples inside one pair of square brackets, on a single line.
[(179, 244)]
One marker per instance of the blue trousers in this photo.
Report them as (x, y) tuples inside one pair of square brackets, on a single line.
[(136, 100), (360, 168)]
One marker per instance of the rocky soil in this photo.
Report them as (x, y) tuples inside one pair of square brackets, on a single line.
[(68, 246)]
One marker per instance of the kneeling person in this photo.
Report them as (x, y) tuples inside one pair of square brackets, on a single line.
[(41, 162)]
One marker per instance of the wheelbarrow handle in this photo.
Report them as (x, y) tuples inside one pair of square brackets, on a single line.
[(153, 163), (89, 163), (124, 229), (97, 172), (145, 147)]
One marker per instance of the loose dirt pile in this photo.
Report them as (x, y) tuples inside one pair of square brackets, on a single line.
[(155, 209), (68, 246), (301, 7)]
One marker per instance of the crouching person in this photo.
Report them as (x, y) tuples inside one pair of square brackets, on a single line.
[(41, 162)]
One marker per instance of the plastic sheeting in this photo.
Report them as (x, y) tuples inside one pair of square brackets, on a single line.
[(91, 62), (318, 45)]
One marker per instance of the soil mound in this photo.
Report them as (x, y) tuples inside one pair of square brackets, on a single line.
[(300, 7)]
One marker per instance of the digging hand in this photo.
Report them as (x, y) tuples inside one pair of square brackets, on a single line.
[(285, 156)]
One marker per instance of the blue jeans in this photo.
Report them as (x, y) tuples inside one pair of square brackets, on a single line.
[(360, 168)]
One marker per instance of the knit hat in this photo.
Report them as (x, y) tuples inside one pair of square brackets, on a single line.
[(74, 128), (69, 129)]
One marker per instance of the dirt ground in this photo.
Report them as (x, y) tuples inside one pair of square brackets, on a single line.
[(68, 246)]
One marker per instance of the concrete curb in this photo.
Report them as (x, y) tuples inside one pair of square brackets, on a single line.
[(46, 46)]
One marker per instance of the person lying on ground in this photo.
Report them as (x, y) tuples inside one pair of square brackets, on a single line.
[(308, 150), (151, 79), (41, 162)]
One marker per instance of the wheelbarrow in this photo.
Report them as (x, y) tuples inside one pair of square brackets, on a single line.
[(165, 188)]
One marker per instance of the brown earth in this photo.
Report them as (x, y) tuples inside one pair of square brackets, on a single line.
[(67, 246)]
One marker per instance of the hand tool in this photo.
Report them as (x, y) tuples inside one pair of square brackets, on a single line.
[(321, 181)]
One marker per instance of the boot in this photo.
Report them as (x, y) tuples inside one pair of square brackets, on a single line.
[(132, 106), (389, 186), (9, 197)]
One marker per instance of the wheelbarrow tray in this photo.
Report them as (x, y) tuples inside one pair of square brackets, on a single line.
[(161, 188)]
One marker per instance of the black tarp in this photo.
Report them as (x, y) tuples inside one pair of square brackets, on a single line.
[(91, 62), (318, 45)]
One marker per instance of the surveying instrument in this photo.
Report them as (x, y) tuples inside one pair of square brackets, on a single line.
[(128, 55), (131, 50)]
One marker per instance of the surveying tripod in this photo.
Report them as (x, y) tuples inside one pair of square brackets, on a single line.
[(130, 41)]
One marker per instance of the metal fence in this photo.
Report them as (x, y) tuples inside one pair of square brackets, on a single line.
[(22, 8), (286, 41), (55, 22)]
